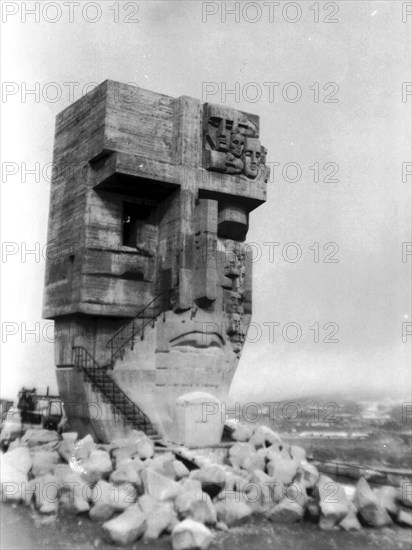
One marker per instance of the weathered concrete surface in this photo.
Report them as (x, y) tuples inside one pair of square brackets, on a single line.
[(151, 197)]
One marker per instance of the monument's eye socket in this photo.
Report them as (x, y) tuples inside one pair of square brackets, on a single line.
[(237, 141), (217, 122), (214, 121), (134, 218)]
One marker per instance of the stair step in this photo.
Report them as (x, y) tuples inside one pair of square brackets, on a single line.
[(111, 393)]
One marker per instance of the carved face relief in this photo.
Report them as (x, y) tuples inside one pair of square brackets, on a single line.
[(237, 142), (233, 302), (219, 311), (219, 133), (233, 163), (219, 125), (251, 156), (263, 153), (226, 132), (234, 325), (246, 127), (264, 171)]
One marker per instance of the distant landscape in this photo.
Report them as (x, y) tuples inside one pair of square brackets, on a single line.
[(367, 432)]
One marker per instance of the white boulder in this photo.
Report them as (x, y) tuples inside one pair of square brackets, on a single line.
[(126, 473), (12, 429), (297, 453), (126, 528), (18, 458), (163, 464), (350, 522), (404, 518), (245, 456), (262, 492), (46, 493), (13, 484), (160, 516), (237, 482), (264, 437), (282, 469), (44, 462), (66, 450), (145, 448), (369, 507), (387, 497), (233, 509), (212, 478), (278, 450), (75, 492), (124, 453), (197, 506), (333, 502), (239, 431), (82, 448), (159, 486), (180, 469), (191, 535), (307, 475), (109, 498), (14, 467), (286, 512), (96, 466)]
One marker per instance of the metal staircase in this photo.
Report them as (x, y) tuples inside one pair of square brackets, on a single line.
[(99, 378), (136, 328)]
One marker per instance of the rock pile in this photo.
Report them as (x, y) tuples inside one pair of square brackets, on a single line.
[(136, 491)]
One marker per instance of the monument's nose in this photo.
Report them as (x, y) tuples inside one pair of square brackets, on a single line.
[(214, 268), (205, 276), (221, 132), (223, 136)]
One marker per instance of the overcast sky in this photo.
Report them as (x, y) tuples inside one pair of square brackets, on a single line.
[(345, 108)]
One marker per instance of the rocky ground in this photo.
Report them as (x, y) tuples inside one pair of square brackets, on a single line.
[(24, 529), (258, 493)]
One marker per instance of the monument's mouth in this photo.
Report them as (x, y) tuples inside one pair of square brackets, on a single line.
[(197, 339), (222, 143)]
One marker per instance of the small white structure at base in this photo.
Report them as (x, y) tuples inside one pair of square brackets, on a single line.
[(199, 422)]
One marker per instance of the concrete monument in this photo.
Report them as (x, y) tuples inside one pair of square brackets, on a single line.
[(147, 279)]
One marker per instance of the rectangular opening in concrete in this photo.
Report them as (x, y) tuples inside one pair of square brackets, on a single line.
[(134, 218)]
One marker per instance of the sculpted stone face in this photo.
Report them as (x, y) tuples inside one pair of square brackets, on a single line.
[(226, 133), (251, 156), (233, 162), (237, 142), (219, 128), (219, 133), (264, 171), (215, 320), (263, 154)]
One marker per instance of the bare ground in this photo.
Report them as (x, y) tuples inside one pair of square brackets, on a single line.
[(23, 528)]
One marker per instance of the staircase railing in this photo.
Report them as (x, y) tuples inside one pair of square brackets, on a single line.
[(107, 386), (136, 327)]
